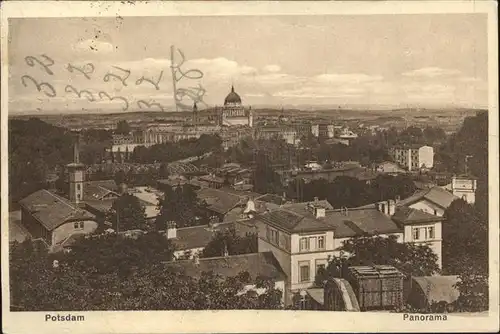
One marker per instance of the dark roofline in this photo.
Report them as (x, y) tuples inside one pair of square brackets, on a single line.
[(66, 220)]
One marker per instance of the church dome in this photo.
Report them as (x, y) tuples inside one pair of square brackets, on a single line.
[(232, 98)]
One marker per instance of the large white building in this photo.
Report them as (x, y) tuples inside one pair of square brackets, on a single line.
[(413, 157), (302, 236), (233, 113)]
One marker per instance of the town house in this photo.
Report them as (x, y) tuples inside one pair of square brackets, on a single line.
[(302, 236)]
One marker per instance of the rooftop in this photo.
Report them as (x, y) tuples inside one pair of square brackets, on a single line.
[(256, 264), (406, 215), (436, 195), (52, 210), (197, 236), (352, 222), (98, 190)]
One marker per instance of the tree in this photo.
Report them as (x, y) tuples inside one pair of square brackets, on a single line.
[(111, 272), (123, 128), (265, 179), (411, 259), (127, 213), (229, 240), (465, 239), (120, 177), (181, 205)]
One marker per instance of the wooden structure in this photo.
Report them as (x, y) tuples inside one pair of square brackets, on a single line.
[(377, 287), (339, 296)]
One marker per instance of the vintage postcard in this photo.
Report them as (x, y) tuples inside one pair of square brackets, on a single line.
[(249, 167)]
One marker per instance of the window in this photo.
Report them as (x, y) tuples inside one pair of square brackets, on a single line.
[(416, 233), (268, 233), (274, 236), (435, 212), (321, 242), (312, 243), (430, 232), (304, 244), (75, 225), (81, 224), (78, 187), (304, 271)]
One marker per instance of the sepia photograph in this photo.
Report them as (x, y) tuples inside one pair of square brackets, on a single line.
[(322, 164)]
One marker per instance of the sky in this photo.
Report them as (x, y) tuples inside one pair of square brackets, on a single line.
[(426, 60)]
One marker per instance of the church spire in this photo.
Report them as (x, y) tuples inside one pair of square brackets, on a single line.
[(232, 88), (76, 150)]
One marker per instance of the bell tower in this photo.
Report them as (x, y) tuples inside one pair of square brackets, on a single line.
[(76, 172)]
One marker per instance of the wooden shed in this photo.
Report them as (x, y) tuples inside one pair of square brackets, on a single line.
[(377, 287)]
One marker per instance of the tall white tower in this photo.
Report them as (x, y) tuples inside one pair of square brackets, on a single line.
[(76, 173)]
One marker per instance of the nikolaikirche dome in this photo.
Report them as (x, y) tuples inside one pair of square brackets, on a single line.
[(232, 98)]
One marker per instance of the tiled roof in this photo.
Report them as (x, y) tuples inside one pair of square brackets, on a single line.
[(197, 236), (406, 215), (256, 264), (438, 288), (105, 205), (354, 222), (361, 221), (96, 190), (52, 210), (435, 195), (271, 198), (303, 207), (220, 200)]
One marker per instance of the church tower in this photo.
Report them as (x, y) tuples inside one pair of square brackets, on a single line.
[(195, 114), (76, 171)]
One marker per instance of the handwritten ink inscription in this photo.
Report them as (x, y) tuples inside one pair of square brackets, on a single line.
[(195, 94), (119, 74)]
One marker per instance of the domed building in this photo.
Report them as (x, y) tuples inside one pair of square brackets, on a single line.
[(233, 113)]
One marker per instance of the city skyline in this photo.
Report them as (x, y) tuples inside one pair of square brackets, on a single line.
[(375, 60)]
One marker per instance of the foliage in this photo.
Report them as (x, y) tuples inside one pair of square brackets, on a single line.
[(181, 205), (116, 273), (266, 179), (346, 191), (173, 151), (411, 259), (122, 128), (127, 213), (229, 240)]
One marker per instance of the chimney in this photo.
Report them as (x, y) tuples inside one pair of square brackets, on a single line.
[(226, 252), (397, 199), (391, 207), (316, 199), (171, 230), (250, 208), (319, 212), (344, 211)]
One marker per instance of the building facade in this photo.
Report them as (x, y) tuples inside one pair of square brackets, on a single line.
[(413, 157), (302, 236)]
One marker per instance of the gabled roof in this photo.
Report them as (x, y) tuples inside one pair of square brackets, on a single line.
[(406, 215), (436, 195), (360, 221), (218, 200), (52, 210), (97, 190), (256, 264), (197, 236), (271, 198), (353, 222)]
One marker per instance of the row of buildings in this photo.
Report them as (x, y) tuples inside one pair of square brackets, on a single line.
[(295, 240), (232, 121)]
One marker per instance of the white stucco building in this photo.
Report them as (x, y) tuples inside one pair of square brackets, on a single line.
[(413, 157)]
